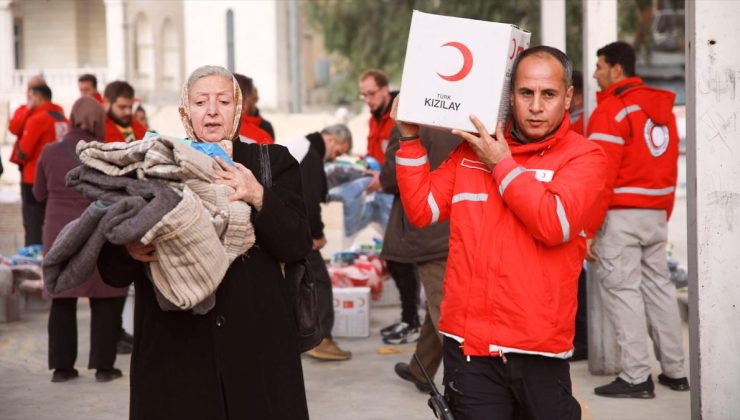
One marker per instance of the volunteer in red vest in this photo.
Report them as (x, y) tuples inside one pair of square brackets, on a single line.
[(635, 126), (251, 129), (119, 122), (517, 203), (376, 93), (88, 85), (45, 125)]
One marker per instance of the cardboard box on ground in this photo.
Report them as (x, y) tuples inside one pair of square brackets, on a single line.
[(456, 67), (351, 312)]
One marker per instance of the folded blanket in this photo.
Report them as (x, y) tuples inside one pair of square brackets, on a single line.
[(195, 241)]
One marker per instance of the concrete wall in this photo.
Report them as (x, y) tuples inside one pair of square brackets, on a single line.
[(156, 48), (256, 41), (91, 33), (41, 19), (713, 161)]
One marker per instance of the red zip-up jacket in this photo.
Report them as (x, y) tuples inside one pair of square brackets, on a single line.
[(516, 242), (113, 134), (635, 126), (18, 123), (46, 125), (250, 128), (379, 133)]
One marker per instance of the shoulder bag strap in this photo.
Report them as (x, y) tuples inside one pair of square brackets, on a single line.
[(266, 171)]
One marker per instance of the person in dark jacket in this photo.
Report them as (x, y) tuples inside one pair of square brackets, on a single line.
[(425, 248), (87, 121), (311, 152), (241, 359)]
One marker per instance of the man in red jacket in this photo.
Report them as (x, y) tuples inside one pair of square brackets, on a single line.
[(119, 122), (517, 203), (88, 85), (20, 116), (635, 126), (253, 127), (46, 124), (375, 91)]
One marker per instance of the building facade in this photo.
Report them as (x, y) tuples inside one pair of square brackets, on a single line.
[(154, 45)]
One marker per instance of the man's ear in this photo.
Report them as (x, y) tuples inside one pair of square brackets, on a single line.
[(106, 105), (617, 71)]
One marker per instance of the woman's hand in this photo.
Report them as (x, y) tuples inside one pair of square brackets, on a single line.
[(141, 252), (242, 180)]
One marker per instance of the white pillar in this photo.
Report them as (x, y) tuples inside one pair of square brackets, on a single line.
[(115, 29), (552, 23), (713, 166), (7, 51), (600, 28)]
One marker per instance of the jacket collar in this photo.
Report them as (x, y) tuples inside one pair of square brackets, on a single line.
[(617, 88), (540, 146)]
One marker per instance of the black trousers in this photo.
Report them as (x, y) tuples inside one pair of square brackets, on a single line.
[(407, 282), (323, 292), (33, 215), (105, 329), (580, 341), (524, 387)]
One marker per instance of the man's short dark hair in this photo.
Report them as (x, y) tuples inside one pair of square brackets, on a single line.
[(540, 51), (89, 78), (118, 89), (43, 90), (246, 84), (381, 79), (620, 53), (577, 82)]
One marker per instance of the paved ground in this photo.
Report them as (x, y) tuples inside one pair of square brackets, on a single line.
[(364, 388)]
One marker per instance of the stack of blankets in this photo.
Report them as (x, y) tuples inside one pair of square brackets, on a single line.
[(158, 191)]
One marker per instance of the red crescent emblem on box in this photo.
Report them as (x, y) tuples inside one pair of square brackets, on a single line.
[(467, 62), (513, 50)]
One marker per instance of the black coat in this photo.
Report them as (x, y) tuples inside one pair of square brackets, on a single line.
[(315, 189), (241, 359)]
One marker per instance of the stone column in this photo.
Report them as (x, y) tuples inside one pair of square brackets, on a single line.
[(600, 28), (713, 184), (552, 22), (115, 29), (7, 49)]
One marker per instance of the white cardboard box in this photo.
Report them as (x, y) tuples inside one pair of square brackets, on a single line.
[(456, 67), (351, 312)]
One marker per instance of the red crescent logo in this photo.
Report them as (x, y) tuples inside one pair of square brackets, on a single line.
[(513, 50), (467, 62)]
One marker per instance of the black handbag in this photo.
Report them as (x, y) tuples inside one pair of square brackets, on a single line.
[(300, 280)]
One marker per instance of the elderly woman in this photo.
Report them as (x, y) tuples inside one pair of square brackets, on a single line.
[(63, 205), (240, 360)]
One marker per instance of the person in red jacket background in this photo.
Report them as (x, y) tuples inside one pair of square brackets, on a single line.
[(119, 122), (517, 203), (45, 125), (374, 90), (88, 86), (376, 93), (252, 125), (635, 126), (20, 116)]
